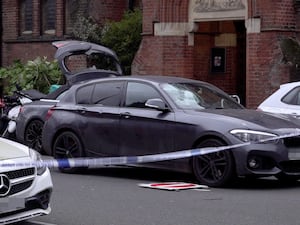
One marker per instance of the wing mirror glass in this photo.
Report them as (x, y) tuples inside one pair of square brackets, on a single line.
[(157, 103)]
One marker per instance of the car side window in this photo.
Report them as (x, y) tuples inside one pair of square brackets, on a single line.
[(83, 95), (138, 93), (293, 97), (108, 93)]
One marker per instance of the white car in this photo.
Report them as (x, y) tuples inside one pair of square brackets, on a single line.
[(25, 183), (286, 100)]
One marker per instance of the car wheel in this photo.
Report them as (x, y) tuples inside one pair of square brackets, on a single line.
[(33, 135), (214, 169), (68, 145)]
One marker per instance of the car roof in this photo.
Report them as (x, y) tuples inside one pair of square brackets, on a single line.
[(290, 85), (155, 79), (151, 78), (163, 79)]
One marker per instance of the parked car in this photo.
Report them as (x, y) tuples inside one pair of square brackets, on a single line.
[(285, 100), (25, 190), (101, 62), (144, 115)]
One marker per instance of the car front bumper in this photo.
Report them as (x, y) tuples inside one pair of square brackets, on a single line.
[(268, 159), (29, 203)]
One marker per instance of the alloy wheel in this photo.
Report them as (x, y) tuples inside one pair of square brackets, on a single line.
[(33, 135), (67, 145), (214, 169)]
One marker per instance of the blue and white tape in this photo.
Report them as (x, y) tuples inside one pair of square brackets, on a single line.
[(130, 160)]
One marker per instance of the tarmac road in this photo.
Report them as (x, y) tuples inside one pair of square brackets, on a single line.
[(111, 196)]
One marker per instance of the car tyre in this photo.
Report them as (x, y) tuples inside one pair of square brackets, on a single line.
[(214, 169), (33, 135), (67, 145)]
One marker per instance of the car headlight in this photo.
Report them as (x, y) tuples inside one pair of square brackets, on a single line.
[(254, 136), (38, 161)]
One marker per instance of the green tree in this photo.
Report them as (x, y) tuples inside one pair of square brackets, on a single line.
[(124, 37), (85, 29)]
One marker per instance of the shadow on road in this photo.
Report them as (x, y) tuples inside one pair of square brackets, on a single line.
[(156, 175)]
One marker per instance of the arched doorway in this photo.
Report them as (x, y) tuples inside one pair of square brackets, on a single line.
[(219, 41)]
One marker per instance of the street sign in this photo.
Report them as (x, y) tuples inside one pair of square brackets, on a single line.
[(173, 186)]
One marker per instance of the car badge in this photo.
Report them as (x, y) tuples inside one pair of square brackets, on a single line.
[(4, 185)]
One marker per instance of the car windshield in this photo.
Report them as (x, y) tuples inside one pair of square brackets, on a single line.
[(198, 96)]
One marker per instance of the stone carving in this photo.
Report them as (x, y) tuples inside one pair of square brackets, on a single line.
[(218, 5)]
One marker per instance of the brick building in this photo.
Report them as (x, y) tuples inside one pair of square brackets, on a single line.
[(29, 26), (234, 44)]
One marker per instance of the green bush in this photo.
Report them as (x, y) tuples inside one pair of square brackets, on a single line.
[(86, 29), (38, 74), (124, 37)]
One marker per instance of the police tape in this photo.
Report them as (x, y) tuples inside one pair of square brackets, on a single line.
[(131, 160)]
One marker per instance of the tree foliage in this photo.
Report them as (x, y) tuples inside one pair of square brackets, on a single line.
[(124, 37), (86, 29), (38, 74), (290, 48)]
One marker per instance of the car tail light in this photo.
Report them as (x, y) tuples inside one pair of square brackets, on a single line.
[(2, 103), (49, 113), (21, 109)]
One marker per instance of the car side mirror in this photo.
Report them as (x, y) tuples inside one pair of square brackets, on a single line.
[(236, 98), (156, 103)]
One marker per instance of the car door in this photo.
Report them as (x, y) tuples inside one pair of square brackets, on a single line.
[(290, 103), (144, 130), (101, 117)]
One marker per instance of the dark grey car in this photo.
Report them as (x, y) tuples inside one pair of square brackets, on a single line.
[(133, 116), (91, 61)]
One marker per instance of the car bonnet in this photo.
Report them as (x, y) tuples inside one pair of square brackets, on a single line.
[(11, 150), (249, 118)]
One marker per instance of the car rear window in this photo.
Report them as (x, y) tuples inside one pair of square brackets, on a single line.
[(293, 97)]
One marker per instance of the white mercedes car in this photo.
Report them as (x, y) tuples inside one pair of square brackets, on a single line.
[(25, 183), (285, 100)]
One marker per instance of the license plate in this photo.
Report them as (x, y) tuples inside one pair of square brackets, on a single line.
[(294, 153), (11, 204)]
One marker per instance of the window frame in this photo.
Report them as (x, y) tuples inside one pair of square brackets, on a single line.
[(293, 95), (48, 16), (25, 10), (146, 84)]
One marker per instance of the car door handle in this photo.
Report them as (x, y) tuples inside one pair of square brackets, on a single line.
[(82, 110), (126, 115), (295, 115)]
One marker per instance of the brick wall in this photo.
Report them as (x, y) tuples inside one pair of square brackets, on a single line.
[(28, 47), (26, 51), (105, 10), (164, 55), (265, 69), (10, 19)]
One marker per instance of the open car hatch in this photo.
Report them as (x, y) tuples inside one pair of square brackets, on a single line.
[(80, 60)]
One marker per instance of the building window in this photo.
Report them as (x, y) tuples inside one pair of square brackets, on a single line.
[(71, 15), (48, 11), (25, 17)]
